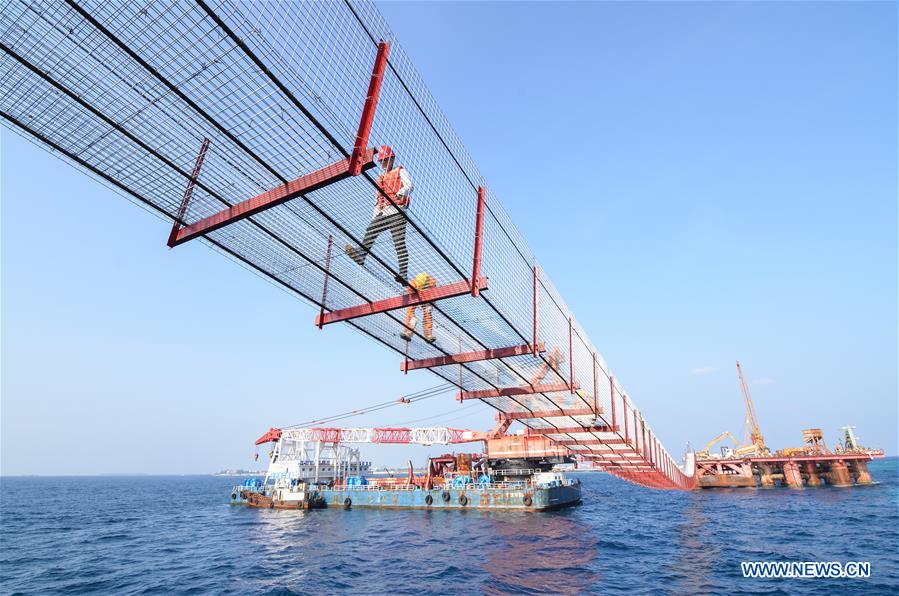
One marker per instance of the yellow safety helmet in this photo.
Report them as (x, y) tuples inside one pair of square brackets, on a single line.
[(421, 279)]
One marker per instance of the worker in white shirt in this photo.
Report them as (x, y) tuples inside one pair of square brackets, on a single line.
[(395, 183)]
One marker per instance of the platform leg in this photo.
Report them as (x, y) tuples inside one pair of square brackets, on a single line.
[(792, 477), (839, 474), (811, 470), (861, 473)]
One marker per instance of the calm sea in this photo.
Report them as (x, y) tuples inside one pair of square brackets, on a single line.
[(124, 535)]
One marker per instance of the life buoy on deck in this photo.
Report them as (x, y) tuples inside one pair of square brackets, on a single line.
[(528, 501), (347, 503), (233, 496), (463, 500), (445, 496), (428, 500)]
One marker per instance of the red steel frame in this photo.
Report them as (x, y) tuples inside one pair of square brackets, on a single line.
[(511, 391), (636, 441), (368, 110), (545, 413), (460, 288), (321, 312), (360, 160), (573, 443), (600, 428), (536, 306), (307, 183), (612, 386), (571, 353), (188, 192), (624, 415), (478, 239), (475, 356)]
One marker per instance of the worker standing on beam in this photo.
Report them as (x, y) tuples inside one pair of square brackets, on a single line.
[(422, 281), (394, 189)]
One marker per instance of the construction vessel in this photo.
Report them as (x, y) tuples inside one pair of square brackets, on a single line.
[(313, 468)]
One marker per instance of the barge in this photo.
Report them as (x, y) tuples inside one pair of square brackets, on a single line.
[(311, 469)]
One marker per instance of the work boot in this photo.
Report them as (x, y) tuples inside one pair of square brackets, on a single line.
[(406, 335), (431, 339)]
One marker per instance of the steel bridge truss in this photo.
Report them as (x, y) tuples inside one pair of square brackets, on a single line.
[(249, 127)]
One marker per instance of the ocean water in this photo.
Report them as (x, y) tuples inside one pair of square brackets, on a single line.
[(179, 535)]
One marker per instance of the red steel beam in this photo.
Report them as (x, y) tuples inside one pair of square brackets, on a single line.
[(307, 183), (636, 441), (460, 288), (368, 109), (510, 391), (571, 353), (536, 305), (624, 415), (321, 311), (471, 357), (188, 192), (612, 385), (573, 442), (610, 456), (478, 239), (604, 428), (546, 414)]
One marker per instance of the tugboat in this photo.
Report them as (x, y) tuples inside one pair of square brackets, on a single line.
[(316, 468)]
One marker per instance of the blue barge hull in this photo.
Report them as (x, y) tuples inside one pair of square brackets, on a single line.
[(471, 497)]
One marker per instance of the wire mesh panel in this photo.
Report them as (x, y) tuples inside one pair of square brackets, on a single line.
[(131, 91)]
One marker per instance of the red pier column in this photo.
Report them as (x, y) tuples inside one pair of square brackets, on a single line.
[(811, 470), (792, 476), (860, 471), (839, 474)]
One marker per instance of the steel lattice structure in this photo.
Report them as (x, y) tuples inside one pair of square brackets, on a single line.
[(194, 108)]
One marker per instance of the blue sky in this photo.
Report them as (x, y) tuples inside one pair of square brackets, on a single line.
[(704, 182)]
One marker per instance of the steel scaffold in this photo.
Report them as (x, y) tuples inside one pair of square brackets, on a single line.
[(192, 109)]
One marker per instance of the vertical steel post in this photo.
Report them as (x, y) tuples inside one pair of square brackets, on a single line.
[(368, 109), (595, 386), (636, 441), (460, 365), (478, 241), (321, 313), (612, 386), (188, 191), (536, 308), (571, 354), (624, 415), (643, 440)]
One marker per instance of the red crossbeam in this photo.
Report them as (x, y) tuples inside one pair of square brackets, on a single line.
[(571, 443), (546, 413), (604, 428), (306, 183), (510, 391), (459, 288), (471, 357)]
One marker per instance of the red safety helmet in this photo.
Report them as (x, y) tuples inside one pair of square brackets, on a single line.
[(384, 152)]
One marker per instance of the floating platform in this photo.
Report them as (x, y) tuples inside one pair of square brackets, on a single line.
[(794, 471)]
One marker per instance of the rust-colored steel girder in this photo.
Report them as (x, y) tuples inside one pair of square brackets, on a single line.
[(475, 356), (460, 288), (512, 391)]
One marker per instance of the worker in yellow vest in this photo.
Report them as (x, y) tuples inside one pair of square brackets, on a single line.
[(394, 190), (422, 281)]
